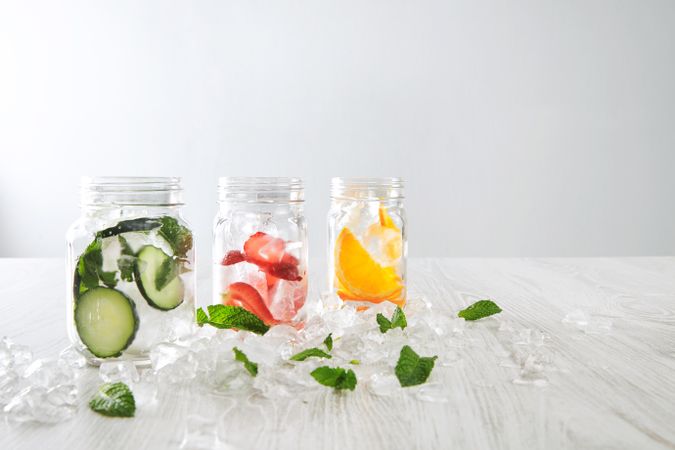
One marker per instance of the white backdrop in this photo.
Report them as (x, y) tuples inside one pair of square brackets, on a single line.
[(523, 127)]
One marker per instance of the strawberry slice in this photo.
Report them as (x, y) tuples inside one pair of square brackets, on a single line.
[(269, 254), (233, 257), (245, 295), (284, 270)]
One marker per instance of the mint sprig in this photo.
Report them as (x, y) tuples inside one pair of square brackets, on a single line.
[(228, 316), (114, 400), (309, 353), (328, 342), (335, 377), (90, 268), (397, 321), (250, 366), (178, 236), (479, 310), (413, 369)]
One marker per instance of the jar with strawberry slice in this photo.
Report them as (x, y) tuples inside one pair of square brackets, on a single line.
[(260, 247)]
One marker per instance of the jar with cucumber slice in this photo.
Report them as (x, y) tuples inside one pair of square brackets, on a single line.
[(130, 275)]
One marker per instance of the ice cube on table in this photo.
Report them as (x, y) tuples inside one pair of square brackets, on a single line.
[(14, 355), (73, 358), (383, 385), (41, 404), (48, 373), (200, 433), (113, 371), (173, 363), (432, 392)]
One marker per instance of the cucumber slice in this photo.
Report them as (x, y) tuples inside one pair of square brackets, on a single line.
[(106, 321), (127, 226), (153, 264)]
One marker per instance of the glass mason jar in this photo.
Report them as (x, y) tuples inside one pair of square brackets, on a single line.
[(260, 247), (367, 240), (130, 259)]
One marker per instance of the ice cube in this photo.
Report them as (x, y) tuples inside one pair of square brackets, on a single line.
[(10, 385), (124, 371), (48, 373), (41, 404), (14, 355), (73, 358), (200, 433), (173, 363), (383, 385), (286, 298), (432, 392)]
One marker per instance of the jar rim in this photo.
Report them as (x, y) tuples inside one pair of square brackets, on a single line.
[(261, 189), (367, 188), (130, 191)]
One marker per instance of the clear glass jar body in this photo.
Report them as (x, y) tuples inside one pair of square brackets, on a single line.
[(260, 247), (130, 268), (367, 245)]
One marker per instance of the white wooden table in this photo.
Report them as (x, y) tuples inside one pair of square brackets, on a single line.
[(613, 390)]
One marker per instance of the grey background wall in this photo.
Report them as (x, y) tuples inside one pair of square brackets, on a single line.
[(524, 128)]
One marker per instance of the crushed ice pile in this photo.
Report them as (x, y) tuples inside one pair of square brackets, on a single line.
[(46, 390), (39, 390)]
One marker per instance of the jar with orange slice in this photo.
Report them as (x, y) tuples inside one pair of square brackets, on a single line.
[(367, 240), (260, 247)]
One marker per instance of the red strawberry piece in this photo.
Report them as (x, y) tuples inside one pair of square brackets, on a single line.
[(285, 271), (262, 249), (233, 257), (245, 295), (271, 280), (269, 254)]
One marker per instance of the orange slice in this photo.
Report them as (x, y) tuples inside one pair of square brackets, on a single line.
[(359, 274)]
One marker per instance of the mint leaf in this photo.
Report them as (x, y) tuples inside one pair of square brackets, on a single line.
[(90, 268), (127, 260), (114, 400), (480, 309), (249, 365), (355, 362), (126, 266), (413, 369), (177, 235), (228, 316), (337, 377), (397, 321), (125, 247), (328, 342), (167, 271), (310, 352), (201, 317)]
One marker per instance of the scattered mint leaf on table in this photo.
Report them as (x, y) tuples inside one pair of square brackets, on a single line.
[(309, 353), (480, 309), (114, 400), (228, 316), (397, 321), (177, 235), (355, 362), (413, 369), (335, 377), (248, 364), (328, 342)]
